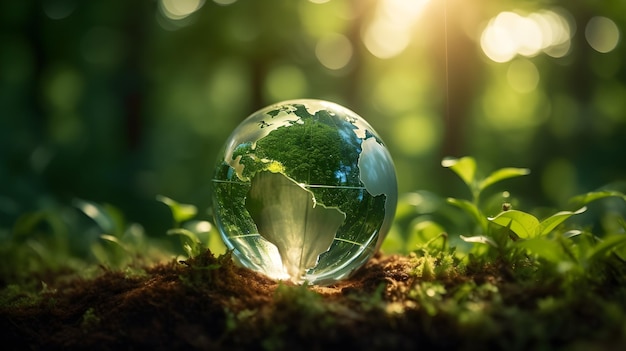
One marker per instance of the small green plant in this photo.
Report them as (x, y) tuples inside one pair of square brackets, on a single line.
[(118, 243), (205, 268), (516, 235), (68, 238), (465, 168), (38, 241), (196, 235)]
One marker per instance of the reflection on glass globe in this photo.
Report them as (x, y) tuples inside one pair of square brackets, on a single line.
[(305, 191)]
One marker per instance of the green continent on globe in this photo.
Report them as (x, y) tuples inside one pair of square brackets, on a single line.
[(287, 216)]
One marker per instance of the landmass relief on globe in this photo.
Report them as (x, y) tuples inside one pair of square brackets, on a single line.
[(305, 191)]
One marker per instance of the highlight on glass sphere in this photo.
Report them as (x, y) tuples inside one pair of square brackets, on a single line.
[(305, 191)]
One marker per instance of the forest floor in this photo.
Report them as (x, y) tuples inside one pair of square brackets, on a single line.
[(392, 303)]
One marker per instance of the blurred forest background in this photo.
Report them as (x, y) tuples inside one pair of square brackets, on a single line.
[(119, 101)]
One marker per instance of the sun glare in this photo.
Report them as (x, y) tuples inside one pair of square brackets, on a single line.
[(389, 32), (510, 34)]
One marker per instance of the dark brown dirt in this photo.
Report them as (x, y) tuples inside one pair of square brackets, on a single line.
[(194, 304), (208, 303)]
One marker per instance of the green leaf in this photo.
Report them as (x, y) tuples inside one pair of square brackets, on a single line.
[(180, 212), (621, 223), (545, 248), (201, 229), (479, 239), (423, 232), (501, 174), (43, 251), (185, 233), (117, 219), (572, 233), (26, 223), (98, 214), (464, 167), (471, 209), (584, 199), (607, 244), (192, 245), (548, 224), (114, 240), (521, 223), (116, 254)]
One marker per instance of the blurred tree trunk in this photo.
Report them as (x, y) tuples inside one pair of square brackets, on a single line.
[(459, 68)]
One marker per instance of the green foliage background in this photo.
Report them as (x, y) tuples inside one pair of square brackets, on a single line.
[(114, 103)]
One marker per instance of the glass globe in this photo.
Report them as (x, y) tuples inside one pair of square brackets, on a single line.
[(305, 190)]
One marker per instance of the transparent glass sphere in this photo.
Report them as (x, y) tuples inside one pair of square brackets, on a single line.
[(305, 191)]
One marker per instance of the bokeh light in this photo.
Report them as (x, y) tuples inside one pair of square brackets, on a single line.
[(334, 51), (224, 2), (63, 88), (602, 34), (179, 9), (507, 110), (285, 82), (522, 75), (416, 134), (510, 34), (58, 9)]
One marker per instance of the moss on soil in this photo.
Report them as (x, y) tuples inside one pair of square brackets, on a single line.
[(393, 302)]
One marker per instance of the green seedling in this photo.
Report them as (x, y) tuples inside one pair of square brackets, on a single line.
[(550, 240), (195, 235), (119, 242), (465, 168)]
